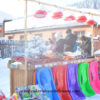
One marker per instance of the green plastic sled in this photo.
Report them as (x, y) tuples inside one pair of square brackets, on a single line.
[(83, 79)]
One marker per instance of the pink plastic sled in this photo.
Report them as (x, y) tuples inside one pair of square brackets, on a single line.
[(94, 76)]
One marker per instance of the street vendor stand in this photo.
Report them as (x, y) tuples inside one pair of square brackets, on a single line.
[(17, 74), (22, 75)]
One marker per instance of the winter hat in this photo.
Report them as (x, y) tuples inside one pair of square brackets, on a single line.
[(69, 31)]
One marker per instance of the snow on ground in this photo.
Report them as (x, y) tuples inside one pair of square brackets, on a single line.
[(97, 52), (5, 77), (96, 97)]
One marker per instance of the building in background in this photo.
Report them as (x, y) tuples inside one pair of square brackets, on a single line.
[(4, 17), (47, 27), (47, 32), (2, 29)]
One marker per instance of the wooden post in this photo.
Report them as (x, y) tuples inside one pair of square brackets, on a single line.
[(92, 44), (25, 35)]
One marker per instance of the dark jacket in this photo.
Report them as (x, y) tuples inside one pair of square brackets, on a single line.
[(60, 46), (86, 46), (70, 42)]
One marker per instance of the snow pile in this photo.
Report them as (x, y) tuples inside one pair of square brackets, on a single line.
[(97, 52), (95, 97), (5, 76), (15, 64)]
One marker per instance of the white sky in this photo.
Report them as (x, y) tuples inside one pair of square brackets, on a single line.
[(16, 7)]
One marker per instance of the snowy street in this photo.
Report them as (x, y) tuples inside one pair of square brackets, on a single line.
[(4, 77)]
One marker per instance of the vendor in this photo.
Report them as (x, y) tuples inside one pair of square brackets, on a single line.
[(86, 46), (70, 41), (59, 42)]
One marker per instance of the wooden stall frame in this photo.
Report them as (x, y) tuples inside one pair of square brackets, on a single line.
[(17, 76)]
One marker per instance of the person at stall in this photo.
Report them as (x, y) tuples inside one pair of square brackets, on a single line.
[(86, 46), (52, 42), (59, 44), (70, 41)]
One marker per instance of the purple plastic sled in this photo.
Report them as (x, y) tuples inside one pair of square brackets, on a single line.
[(72, 83)]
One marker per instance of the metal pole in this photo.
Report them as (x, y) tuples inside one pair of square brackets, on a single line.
[(25, 39)]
